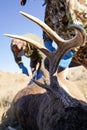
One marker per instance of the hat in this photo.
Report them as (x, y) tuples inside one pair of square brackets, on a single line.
[(18, 43), (34, 37)]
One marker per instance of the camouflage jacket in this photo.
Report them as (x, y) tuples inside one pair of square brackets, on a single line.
[(80, 58), (60, 13)]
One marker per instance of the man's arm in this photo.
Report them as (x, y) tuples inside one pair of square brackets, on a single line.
[(18, 60)]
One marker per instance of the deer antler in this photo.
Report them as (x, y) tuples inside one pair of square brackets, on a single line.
[(63, 45), (54, 58)]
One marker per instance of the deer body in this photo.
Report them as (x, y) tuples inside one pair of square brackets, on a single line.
[(36, 110)]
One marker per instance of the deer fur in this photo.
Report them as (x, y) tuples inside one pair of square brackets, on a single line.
[(53, 102)]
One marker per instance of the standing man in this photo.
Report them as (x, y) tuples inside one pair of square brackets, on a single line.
[(59, 14)]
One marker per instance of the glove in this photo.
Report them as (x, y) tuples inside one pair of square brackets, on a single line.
[(68, 58), (37, 75), (48, 45), (68, 55), (34, 76), (24, 69)]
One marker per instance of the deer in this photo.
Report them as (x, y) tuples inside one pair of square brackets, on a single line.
[(52, 102)]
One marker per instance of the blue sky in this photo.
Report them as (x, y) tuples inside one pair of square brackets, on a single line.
[(11, 21)]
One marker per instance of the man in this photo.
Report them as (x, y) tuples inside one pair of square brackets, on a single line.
[(58, 15), (21, 48), (80, 57)]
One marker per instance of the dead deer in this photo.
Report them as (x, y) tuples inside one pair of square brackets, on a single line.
[(53, 102)]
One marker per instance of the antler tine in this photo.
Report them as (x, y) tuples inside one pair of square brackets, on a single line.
[(45, 27), (63, 45), (32, 42), (58, 40), (76, 41)]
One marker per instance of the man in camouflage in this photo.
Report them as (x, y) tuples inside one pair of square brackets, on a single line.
[(59, 14), (79, 16)]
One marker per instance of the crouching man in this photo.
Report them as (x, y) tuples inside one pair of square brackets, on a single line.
[(21, 48)]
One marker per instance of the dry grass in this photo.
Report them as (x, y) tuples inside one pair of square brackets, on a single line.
[(11, 83)]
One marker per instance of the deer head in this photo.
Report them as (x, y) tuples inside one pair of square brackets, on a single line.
[(54, 57)]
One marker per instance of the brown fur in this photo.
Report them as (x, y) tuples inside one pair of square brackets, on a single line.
[(35, 110)]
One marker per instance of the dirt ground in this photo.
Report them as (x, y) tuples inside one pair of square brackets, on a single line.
[(11, 83)]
